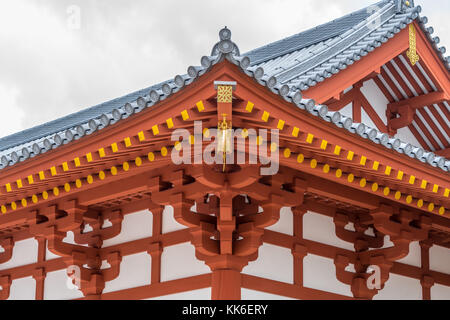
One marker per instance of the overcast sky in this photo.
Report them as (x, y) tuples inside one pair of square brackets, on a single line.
[(49, 67)]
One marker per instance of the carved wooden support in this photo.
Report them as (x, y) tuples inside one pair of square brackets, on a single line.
[(358, 237), (403, 228), (227, 226), (95, 237), (400, 118), (54, 222), (7, 244), (91, 280)]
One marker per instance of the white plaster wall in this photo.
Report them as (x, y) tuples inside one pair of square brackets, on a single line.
[(135, 226), (169, 224), (320, 273), (23, 289), (321, 228), (400, 288), (24, 252), (440, 259), (200, 294), (414, 256), (367, 120), (286, 223), (179, 261), (406, 135), (440, 292), (347, 110), (50, 255), (247, 294), (379, 103), (135, 271), (275, 263), (376, 99), (56, 288)]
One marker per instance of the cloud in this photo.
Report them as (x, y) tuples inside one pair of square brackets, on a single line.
[(48, 69), (11, 120)]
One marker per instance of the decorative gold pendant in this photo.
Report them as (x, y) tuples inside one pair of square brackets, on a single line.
[(224, 137), (412, 53)]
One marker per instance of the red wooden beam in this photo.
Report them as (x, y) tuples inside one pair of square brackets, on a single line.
[(419, 101), (444, 153), (431, 61)]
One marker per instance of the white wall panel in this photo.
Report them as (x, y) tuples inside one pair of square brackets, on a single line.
[(285, 224), (440, 292), (23, 289), (50, 255), (440, 259), (320, 273), (321, 228), (347, 110), (169, 223), (179, 261), (24, 252), (273, 262), (400, 288), (406, 135), (56, 288), (414, 256), (376, 99), (135, 226), (367, 120), (135, 271)]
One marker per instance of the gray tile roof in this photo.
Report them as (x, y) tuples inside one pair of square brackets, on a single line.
[(286, 67)]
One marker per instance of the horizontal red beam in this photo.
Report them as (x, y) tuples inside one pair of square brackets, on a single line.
[(419, 101)]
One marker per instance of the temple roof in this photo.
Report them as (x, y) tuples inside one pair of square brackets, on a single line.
[(287, 67)]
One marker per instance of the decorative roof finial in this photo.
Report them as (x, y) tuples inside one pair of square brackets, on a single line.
[(225, 45), (403, 5), (225, 34)]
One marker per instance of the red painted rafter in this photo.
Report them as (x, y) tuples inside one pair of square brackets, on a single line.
[(419, 91), (391, 99), (360, 69), (409, 94), (416, 101)]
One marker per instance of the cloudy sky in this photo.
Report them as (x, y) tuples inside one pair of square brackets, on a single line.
[(61, 56)]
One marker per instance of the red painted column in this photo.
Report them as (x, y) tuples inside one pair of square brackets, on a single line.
[(427, 281), (299, 251), (226, 284), (155, 250), (39, 275)]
